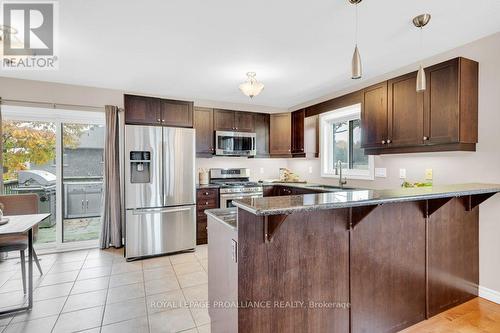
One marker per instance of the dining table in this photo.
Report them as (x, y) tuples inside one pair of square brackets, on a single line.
[(23, 225)]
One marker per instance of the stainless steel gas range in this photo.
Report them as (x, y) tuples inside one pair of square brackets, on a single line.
[(234, 184)]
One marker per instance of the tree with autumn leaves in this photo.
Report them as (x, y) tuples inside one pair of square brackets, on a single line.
[(26, 143)]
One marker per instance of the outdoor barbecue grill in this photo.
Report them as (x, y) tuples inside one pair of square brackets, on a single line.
[(42, 183)]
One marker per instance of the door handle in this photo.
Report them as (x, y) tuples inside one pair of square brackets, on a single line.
[(83, 205), (155, 211), (87, 204)]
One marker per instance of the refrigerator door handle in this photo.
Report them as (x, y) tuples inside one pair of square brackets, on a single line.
[(161, 210)]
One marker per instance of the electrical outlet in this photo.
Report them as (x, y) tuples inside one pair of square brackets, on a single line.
[(381, 172), (310, 169), (261, 170), (402, 173), (428, 174)]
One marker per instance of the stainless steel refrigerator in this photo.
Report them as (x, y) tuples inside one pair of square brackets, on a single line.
[(160, 191)]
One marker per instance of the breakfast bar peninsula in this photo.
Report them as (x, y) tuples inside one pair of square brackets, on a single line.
[(344, 260)]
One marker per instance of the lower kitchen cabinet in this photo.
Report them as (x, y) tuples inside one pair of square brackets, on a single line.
[(206, 198)]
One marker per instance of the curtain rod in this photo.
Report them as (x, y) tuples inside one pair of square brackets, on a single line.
[(51, 105)]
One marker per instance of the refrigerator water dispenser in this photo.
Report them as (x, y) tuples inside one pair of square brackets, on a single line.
[(140, 167)]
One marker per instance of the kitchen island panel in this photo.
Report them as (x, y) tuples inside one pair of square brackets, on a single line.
[(388, 268), (453, 256), (307, 261)]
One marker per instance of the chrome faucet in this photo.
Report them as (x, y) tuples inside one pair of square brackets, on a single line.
[(342, 181)]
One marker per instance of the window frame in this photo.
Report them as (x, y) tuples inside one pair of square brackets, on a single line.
[(345, 114)]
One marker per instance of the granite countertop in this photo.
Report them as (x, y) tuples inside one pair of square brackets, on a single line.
[(227, 216), (356, 198)]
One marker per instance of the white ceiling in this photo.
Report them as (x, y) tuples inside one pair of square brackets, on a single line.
[(201, 49)]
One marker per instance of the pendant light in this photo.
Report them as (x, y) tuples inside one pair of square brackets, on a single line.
[(421, 21), (251, 87), (357, 70)]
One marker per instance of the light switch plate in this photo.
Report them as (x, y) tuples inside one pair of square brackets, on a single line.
[(402, 173), (310, 169), (261, 170), (381, 172), (428, 174)]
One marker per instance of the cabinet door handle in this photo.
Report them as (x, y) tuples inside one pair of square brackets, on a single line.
[(206, 193), (389, 141), (426, 138), (384, 142), (159, 119)]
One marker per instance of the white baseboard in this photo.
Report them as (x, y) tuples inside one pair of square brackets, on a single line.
[(489, 294)]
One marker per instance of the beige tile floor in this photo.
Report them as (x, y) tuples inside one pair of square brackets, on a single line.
[(98, 291)]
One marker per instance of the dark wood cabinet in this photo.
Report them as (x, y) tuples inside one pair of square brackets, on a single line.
[(224, 120), (451, 102), (398, 119), (176, 113), (374, 117), (206, 198), (244, 121), (298, 118), (228, 120), (143, 110), (204, 126), (261, 124), (280, 136), (406, 112)]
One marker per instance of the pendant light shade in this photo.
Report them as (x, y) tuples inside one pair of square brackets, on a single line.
[(357, 70), (356, 67), (251, 87), (421, 21), (421, 81)]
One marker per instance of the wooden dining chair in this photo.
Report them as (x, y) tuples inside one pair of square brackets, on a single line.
[(19, 204)]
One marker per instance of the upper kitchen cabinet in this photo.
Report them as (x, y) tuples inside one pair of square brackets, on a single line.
[(406, 111), (244, 121), (298, 118), (261, 124), (280, 138), (204, 125), (176, 113), (224, 120), (398, 119), (228, 120), (142, 110), (451, 103), (374, 117)]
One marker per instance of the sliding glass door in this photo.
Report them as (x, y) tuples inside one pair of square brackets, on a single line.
[(82, 166), (57, 154)]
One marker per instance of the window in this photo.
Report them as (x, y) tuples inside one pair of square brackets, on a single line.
[(340, 140)]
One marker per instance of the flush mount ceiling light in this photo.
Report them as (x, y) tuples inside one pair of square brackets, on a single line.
[(357, 70), (421, 21), (251, 87)]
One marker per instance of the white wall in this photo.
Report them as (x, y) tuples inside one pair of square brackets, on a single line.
[(455, 167)]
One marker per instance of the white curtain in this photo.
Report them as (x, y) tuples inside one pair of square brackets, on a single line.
[(111, 234)]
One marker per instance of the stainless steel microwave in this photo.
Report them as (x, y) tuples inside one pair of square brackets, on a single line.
[(234, 143)]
